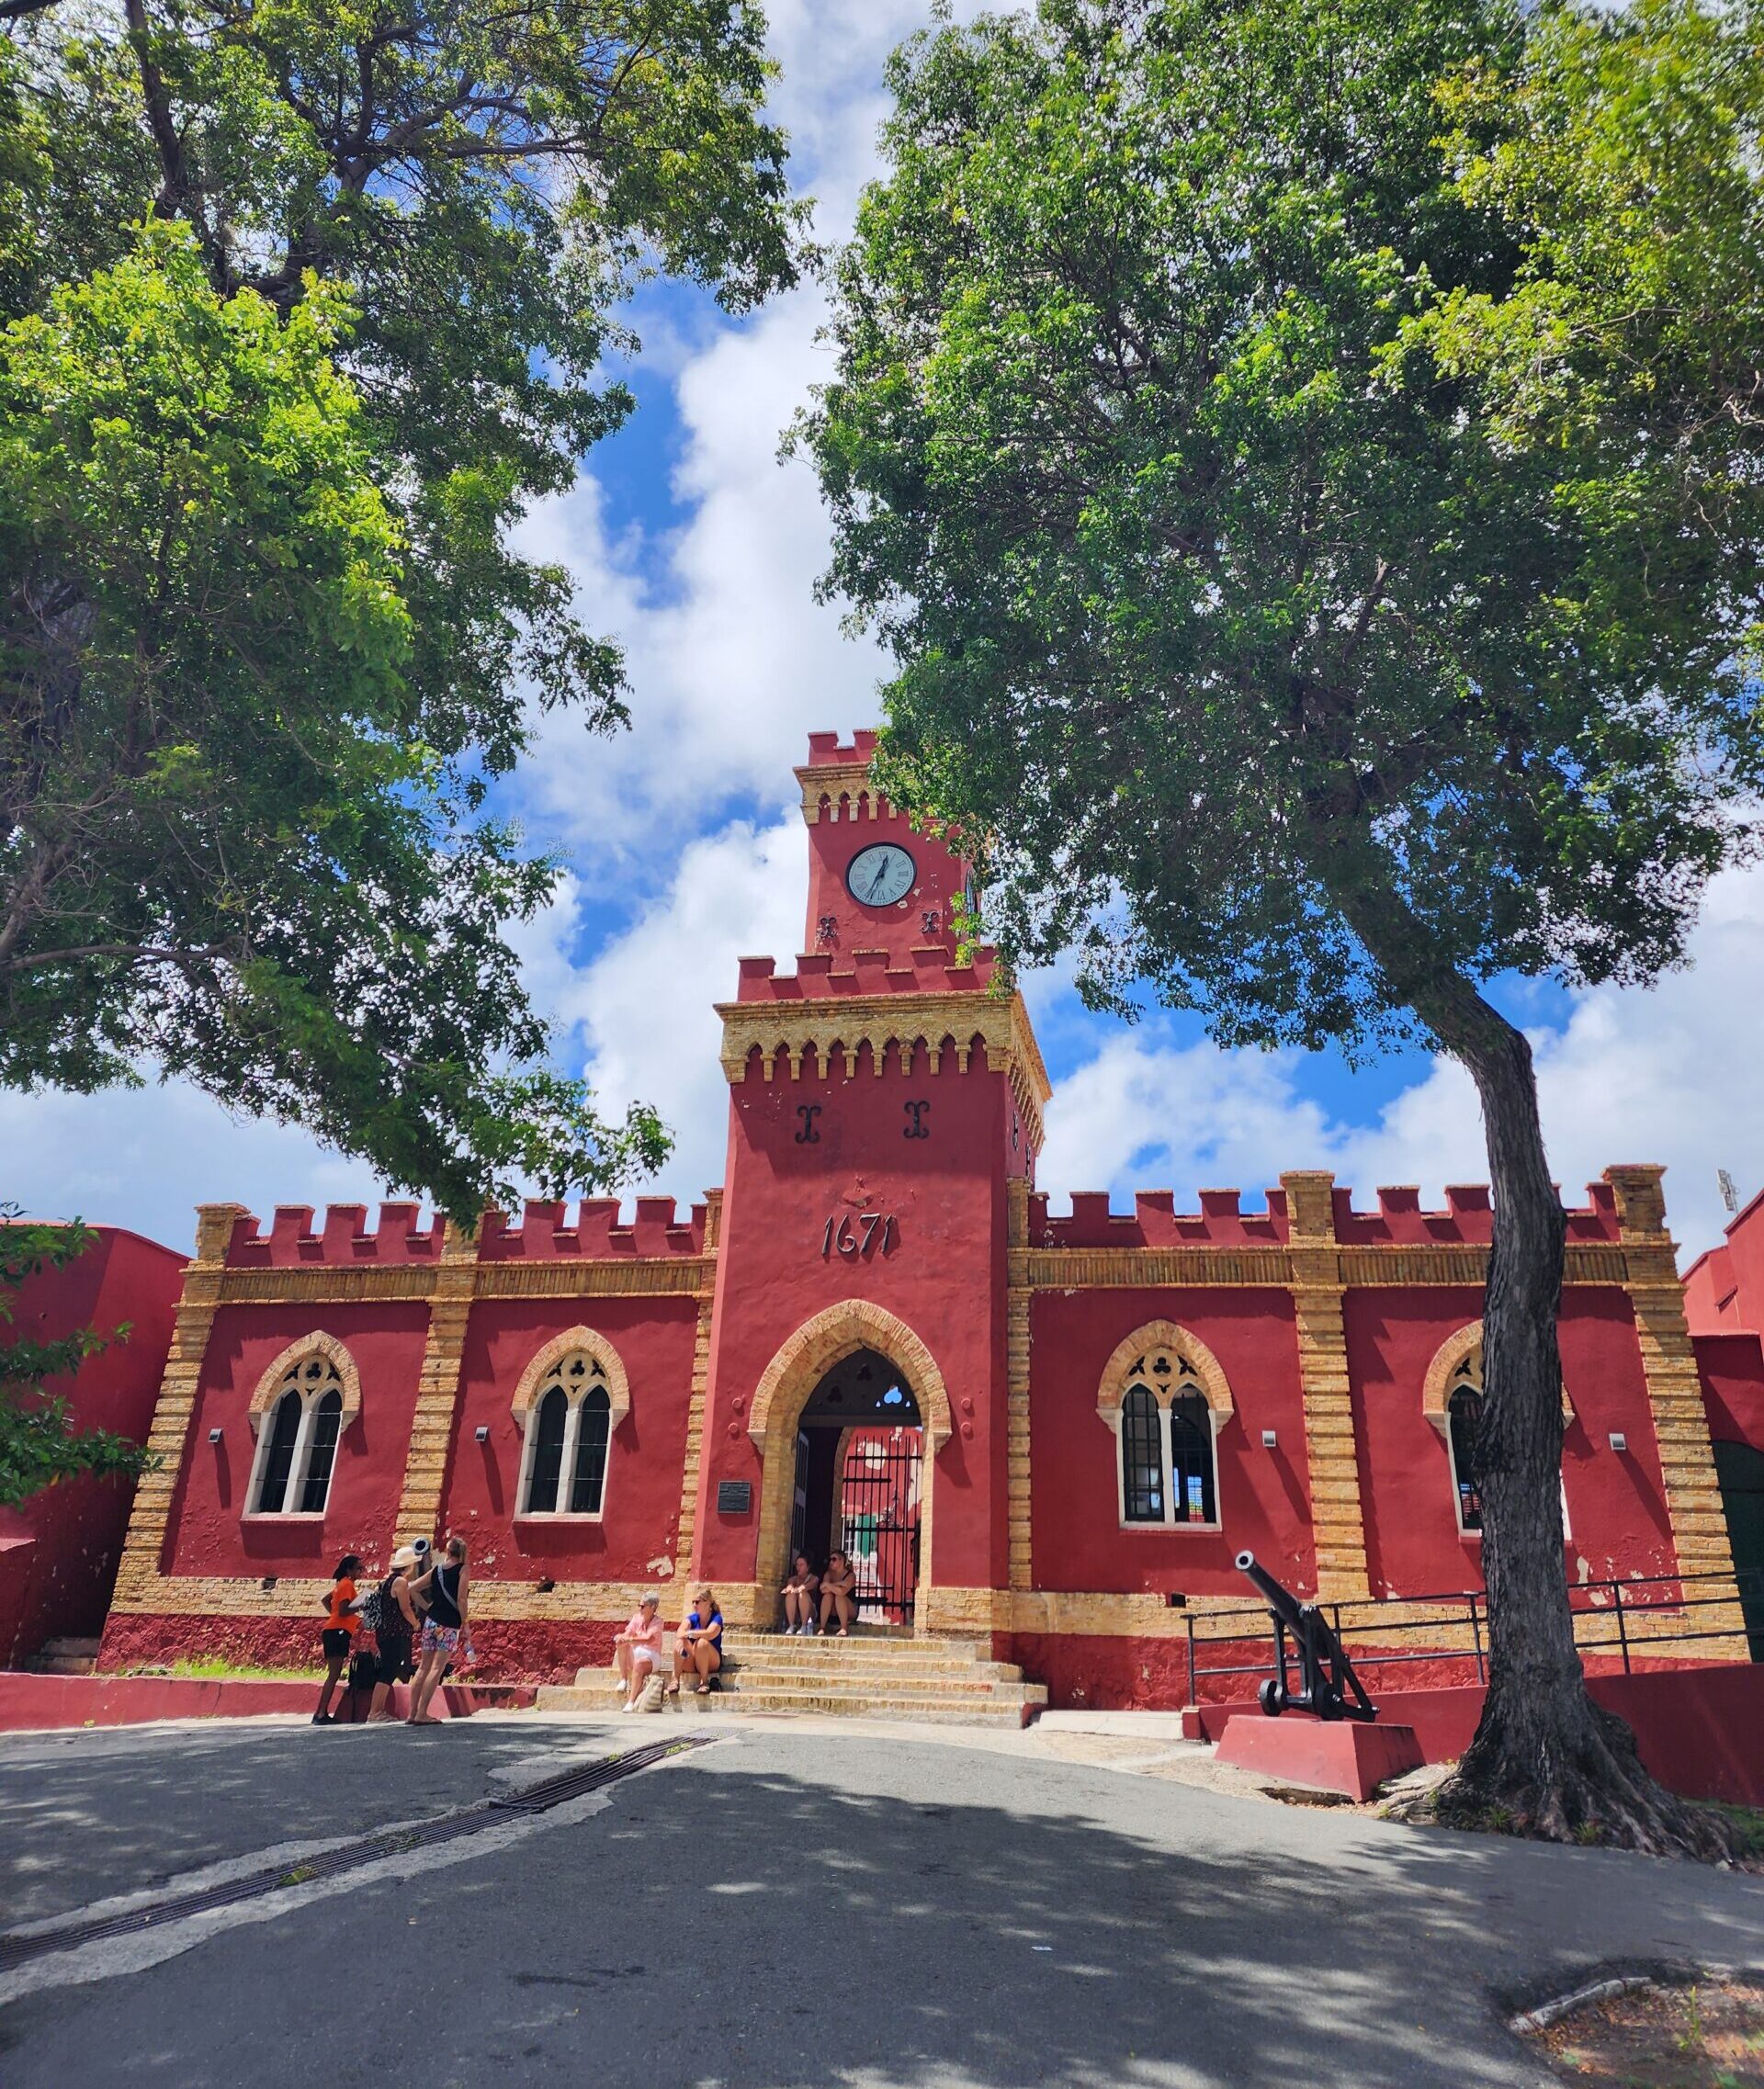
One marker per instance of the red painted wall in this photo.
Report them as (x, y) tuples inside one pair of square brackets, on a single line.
[(209, 1533), (1732, 1369), (641, 1516), (1724, 1290), (1263, 1495), (1616, 1507), (59, 1551), (945, 1276)]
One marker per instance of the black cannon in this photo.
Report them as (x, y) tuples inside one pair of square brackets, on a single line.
[(1326, 1680)]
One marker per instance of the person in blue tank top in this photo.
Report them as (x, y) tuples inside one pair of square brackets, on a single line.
[(698, 1644)]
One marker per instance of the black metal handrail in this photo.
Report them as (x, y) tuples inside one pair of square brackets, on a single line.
[(1467, 1609)]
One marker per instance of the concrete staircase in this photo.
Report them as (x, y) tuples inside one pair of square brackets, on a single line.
[(64, 1658), (944, 1682)]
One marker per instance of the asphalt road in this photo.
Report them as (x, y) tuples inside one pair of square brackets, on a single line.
[(796, 1906)]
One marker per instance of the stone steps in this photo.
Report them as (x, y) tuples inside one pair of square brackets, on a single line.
[(64, 1658), (939, 1708), (872, 1676)]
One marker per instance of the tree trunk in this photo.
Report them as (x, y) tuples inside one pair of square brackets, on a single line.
[(1545, 1760)]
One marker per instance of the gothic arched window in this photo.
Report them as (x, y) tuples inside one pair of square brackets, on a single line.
[(569, 1431), (545, 1437), (1464, 1429), (594, 1427), (296, 1445), (1191, 1460), (1142, 1457), (1165, 1404)]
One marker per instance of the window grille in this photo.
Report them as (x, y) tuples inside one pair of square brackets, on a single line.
[(549, 1421), (1142, 1457), (278, 1463), (1463, 1413), (591, 1433), (297, 1448), (1191, 1460), (569, 1436)]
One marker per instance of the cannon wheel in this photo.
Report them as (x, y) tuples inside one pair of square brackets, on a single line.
[(1272, 1698)]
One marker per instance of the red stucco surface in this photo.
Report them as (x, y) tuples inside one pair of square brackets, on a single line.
[(1696, 1728), (59, 1551), (943, 1275), (636, 1537), (1264, 1495), (1617, 1518), (211, 1532)]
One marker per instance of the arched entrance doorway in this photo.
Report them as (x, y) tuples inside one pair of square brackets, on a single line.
[(787, 1386), (858, 1482), (1739, 1472)]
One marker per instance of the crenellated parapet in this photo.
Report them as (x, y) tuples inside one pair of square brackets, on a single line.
[(839, 1023), (1465, 1220), (297, 1239)]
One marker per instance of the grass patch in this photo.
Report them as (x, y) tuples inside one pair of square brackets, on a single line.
[(216, 1668)]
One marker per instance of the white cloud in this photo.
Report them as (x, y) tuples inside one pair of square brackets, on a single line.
[(146, 1157), (644, 1009), (1667, 1075)]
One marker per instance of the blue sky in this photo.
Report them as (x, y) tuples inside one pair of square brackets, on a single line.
[(692, 545)]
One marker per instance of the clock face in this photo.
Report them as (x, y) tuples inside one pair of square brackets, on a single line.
[(880, 876)]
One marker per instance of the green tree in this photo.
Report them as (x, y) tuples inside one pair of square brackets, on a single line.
[(36, 1446), (303, 306), (1302, 455)]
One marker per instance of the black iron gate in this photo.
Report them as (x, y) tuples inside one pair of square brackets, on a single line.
[(878, 1520)]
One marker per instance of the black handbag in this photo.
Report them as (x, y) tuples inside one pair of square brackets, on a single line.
[(364, 1671)]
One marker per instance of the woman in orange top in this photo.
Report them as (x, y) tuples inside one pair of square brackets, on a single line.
[(341, 1626)]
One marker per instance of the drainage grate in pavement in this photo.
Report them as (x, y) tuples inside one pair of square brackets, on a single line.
[(533, 1799)]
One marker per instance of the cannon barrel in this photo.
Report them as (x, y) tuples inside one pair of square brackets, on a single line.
[(1281, 1601)]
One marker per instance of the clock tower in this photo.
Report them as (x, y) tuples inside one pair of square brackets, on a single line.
[(884, 1113)]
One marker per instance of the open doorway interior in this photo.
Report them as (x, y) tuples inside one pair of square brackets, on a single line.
[(860, 1461)]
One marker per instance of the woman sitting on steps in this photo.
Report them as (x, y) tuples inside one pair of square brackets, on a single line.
[(698, 1645)]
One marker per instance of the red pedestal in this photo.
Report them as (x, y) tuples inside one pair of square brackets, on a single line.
[(1338, 1754)]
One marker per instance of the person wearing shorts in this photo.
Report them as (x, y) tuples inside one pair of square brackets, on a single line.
[(636, 1651), (392, 1637), (339, 1633), (442, 1588)]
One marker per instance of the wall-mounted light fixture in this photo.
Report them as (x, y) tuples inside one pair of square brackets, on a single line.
[(1270, 1439), (1619, 1441), (481, 1433), (214, 1436)]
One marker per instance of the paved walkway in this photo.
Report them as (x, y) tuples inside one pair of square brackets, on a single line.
[(803, 1904)]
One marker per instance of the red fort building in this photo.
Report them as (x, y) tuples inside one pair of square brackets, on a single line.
[(1041, 1438)]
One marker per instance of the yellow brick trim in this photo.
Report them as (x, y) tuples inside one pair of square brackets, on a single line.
[(1208, 1372), (437, 1389), (1101, 1268), (317, 1344), (785, 1389), (551, 1353), (686, 1530), (1337, 1526), (1016, 1438), (167, 1438), (788, 1029)]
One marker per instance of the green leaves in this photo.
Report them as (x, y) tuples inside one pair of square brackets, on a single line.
[(1303, 456), (303, 308), (37, 1445)]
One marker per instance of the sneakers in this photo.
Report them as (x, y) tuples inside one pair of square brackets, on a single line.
[(323, 1718)]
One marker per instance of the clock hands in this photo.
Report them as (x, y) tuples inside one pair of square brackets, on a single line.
[(880, 879)]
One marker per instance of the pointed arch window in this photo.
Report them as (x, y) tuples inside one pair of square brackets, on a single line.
[(304, 1411), (1142, 1457), (1165, 1404), (568, 1433), (1462, 1436)]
